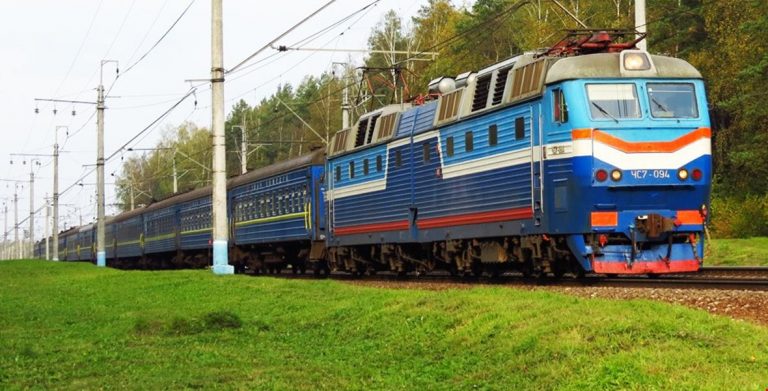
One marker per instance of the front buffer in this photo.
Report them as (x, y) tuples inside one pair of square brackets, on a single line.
[(641, 242)]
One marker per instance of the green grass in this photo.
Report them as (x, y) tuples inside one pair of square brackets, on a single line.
[(738, 252), (76, 326)]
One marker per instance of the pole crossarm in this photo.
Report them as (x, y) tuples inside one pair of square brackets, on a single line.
[(282, 48), (32, 154), (65, 101)]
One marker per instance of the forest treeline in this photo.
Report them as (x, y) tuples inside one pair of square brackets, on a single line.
[(727, 40)]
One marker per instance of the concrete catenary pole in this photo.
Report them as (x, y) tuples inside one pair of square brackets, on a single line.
[(101, 255), (101, 259), (55, 244), (16, 247), (640, 23), (243, 148), (132, 199), (47, 228), (345, 107), (175, 174), (5, 236), (220, 233), (32, 207)]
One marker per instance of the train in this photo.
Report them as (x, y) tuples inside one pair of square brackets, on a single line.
[(591, 156)]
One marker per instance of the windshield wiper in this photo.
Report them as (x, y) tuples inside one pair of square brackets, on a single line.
[(659, 105), (602, 110)]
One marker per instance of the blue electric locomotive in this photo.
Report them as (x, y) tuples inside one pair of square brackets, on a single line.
[(590, 157)]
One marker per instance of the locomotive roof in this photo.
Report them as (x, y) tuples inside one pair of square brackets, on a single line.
[(606, 65), (312, 158)]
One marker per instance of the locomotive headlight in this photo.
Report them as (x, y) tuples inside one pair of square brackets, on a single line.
[(682, 174), (636, 61), (616, 175)]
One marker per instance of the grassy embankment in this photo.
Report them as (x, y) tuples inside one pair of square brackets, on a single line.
[(738, 252), (75, 326)]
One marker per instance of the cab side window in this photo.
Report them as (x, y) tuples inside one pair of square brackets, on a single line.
[(560, 108)]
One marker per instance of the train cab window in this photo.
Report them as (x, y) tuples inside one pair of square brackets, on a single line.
[(468, 143), (560, 108), (379, 165), (365, 167), (425, 152), (613, 101), (351, 169), (338, 173), (449, 146), (519, 128), (672, 100), (398, 158), (493, 135)]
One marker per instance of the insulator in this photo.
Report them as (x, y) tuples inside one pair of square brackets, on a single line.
[(73, 112), (37, 110), (55, 111)]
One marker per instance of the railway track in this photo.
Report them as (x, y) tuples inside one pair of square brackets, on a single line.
[(711, 277)]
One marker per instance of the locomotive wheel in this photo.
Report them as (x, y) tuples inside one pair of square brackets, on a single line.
[(453, 270), (527, 269), (477, 269), (558, 270), (494, 270), (320, 268)]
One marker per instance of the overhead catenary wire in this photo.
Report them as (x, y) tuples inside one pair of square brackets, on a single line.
[(498, 18), (80, 48), (151, 124), (143, 56), (162, 37), (149, 30), (120, 29), (125, 145), (265, 47)]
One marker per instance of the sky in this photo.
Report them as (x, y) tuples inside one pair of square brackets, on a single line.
[(53, 49)]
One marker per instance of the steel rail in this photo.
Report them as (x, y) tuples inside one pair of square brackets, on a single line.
[(669, 281)]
